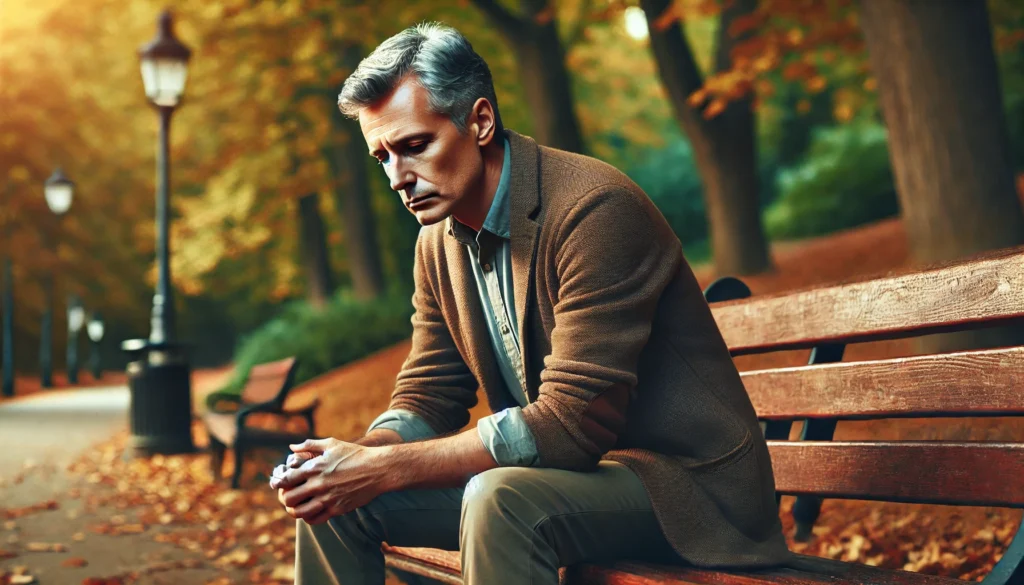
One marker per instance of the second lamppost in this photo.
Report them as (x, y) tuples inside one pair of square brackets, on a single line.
[(59, 191), (95, 331), (159, 377)]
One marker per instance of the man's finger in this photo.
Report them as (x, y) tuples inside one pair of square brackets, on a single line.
[(308, 509), (316, 446), (295, 497), (293, 477), (297, 459), (321, 517)]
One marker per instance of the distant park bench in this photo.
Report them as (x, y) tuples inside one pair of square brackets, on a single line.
[(265, 390), (983, 292)]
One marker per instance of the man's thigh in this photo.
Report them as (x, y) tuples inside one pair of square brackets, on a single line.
[(584, 516), (422, 518)]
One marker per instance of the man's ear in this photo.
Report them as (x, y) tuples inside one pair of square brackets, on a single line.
[(484, 123)]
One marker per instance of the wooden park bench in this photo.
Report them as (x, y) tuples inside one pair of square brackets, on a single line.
[(265, 390), (985, 291)]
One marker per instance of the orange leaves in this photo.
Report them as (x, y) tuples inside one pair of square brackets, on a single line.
[(74, 562), (672, 14), (13, 513)]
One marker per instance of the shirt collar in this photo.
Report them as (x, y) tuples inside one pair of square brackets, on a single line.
[(498, 220)]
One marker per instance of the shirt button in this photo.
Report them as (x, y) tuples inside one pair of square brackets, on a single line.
[(487, 267), (504, 329)]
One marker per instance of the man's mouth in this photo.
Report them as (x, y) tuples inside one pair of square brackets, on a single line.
[(414, 202)]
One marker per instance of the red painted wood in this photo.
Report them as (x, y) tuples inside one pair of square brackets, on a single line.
[(804, 570), (265, 380), (969, 294), (971, 383), (981, 474)]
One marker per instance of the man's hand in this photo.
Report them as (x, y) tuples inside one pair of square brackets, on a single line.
[(326, 478)]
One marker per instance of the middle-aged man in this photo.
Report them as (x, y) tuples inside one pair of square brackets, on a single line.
[(621, 429)]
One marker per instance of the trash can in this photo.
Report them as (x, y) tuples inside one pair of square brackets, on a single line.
[(160, 413)]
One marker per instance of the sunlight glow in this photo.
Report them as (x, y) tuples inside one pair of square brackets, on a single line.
[(636, 22)]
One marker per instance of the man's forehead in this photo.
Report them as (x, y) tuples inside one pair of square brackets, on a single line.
[(404, 107)]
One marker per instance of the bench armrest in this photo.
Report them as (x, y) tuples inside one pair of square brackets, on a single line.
[(275, 409)]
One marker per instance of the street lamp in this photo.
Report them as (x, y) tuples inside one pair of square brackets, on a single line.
[(59, 191), (76, 319), (159, 377), (95, 331)]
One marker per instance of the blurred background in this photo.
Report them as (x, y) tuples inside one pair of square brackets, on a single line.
[(752, 125)]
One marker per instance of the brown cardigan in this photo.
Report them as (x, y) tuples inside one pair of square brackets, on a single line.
[(623, 358)]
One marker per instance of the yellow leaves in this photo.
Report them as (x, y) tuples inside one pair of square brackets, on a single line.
[(717, 106), (843, 112), (816, 84), (870, 84)]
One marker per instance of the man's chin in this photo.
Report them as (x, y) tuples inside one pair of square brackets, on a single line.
[(429, 217)]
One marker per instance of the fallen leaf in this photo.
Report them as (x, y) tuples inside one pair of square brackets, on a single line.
[(78, 536), (74, 562), (45, 547), (7, 554), (21, 580), (284, 572)]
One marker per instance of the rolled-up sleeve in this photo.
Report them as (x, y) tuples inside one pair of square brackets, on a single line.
[(408, 425), (508, 438)]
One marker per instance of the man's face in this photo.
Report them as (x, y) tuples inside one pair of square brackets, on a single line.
[(428, 161)]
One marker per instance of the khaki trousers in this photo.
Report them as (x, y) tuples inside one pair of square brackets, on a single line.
[(513, 525)]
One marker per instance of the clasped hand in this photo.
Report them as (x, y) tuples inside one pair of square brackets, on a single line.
[(324, 478)]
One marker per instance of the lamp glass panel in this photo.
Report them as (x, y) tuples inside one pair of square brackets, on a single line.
[(164, 80), (95, 329), (58, 198)]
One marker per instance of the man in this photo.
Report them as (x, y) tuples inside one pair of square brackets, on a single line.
[(621, 428)]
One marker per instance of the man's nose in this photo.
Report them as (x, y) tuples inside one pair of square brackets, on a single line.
[(400, 178)]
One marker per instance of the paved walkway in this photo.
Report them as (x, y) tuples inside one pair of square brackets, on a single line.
[(49, 429)]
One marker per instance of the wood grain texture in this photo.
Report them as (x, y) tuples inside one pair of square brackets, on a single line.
[(265, 380), (961, 296), (981, 474), (974, 383), (804, 570), (444, 566)]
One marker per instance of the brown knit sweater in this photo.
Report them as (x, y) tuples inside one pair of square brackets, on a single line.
[(623, 358)]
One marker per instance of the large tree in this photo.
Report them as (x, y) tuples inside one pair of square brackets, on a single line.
[(533, 36), (722, 135), (938, 86)]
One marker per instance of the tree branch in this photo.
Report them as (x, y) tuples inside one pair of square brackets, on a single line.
[(510, 25)]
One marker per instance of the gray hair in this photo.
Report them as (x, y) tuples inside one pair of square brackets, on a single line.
[(444, 64)]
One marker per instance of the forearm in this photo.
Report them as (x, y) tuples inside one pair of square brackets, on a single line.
[(439, 463), (379, 438)]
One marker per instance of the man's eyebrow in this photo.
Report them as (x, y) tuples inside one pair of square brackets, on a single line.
[(401, 142)]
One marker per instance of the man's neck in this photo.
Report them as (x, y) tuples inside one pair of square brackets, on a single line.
[(479, 204)]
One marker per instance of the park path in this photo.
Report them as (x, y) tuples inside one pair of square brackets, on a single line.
[(40, 435)]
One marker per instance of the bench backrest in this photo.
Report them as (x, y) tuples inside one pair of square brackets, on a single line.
[(270, 381), (983, 292)]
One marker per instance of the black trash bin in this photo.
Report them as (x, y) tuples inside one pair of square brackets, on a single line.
[(160, 414)]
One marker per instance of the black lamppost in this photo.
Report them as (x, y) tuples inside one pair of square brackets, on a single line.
[(59, 191), (7, 389), (76, 319), (95, 331), (159, 377)]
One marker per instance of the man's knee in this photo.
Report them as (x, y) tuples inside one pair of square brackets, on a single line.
[(502, 497)]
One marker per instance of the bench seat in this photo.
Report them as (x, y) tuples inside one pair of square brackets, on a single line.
[(444, 566)]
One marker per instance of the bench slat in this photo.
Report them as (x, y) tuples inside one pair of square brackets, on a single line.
[(265, 380), (975, 383), (937, 472), (960, 296), (803, 570)]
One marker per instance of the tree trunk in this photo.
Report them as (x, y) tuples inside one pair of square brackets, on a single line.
[(724, 147), (546, 82), (938, 87), (315, 257), (352, 194)]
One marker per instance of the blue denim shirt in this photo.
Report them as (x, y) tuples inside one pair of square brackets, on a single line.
[(504, 433)]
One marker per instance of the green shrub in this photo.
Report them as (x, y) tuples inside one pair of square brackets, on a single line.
[(345, 330), (845, 181), (669, 177)]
